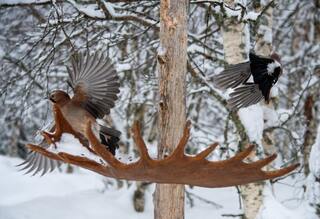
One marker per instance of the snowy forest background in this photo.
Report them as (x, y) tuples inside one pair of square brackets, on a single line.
[(36, 41)]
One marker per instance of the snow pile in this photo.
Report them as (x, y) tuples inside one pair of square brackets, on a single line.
[(273, 209), (2, 53), (313, 184), (85, 195), (252, 15), (15, 187), (89, 10), (271, 117), (314, 161), (252, 119), (71, 145), (13, 2)]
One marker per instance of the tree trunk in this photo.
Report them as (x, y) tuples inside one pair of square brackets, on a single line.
[(310, 133), (234, 41), (172, 59)]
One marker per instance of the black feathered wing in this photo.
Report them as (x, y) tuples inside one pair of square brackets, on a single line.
[(244, 96), (233, 76), (95, 83)]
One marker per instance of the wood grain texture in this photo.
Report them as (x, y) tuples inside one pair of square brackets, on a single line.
[(169, 199)]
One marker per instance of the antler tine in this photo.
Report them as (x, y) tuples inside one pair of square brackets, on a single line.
[(138, 140), (179, 150), (79, 161), (263, 162), (205, 153), (177, 168), (100, 149), (277, 173), (44, 152), (243, 154)]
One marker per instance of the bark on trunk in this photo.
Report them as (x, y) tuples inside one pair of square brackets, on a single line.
[(172, 58), (311, 131)]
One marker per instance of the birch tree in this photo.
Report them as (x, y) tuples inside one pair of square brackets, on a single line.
[(235, 40)]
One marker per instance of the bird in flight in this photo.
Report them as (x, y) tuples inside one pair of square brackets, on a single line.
[(265, 72), (95, 85)]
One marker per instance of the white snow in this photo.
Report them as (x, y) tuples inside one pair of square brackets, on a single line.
[(273, 209), (233, 13), (90, 10), (313, 184), (251, 15), (13, 2), (85, 195), (15, 187), (110, 8), (270, 116), (266, 32), (162, 51), (69, 144), (314, 160), (2, 53), (252, 119)]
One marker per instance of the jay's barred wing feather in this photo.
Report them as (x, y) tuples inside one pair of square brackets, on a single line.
[(35, 162), (95, 83)]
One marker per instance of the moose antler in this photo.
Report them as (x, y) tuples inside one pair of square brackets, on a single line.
[(177, 168)]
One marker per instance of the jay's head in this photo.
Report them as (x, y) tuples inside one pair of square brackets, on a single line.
[(59, 97)]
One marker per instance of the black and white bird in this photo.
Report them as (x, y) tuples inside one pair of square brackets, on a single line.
[(265, 73)]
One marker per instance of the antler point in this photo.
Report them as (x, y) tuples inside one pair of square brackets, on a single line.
[(136, 126)]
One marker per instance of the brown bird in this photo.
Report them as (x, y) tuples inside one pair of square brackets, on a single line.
[(95, 84)]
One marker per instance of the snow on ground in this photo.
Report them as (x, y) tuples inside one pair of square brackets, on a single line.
[(84, 195), (313, 178), (272, 208)]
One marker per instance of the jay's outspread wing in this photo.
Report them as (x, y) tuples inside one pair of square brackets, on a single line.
[(36, 163), (95, 83)]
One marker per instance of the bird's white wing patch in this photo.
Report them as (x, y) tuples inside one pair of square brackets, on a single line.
[(272, 66)]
